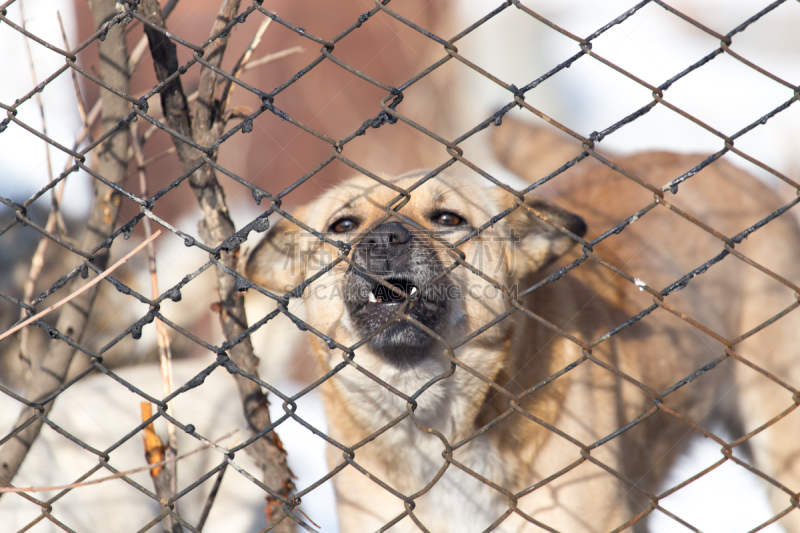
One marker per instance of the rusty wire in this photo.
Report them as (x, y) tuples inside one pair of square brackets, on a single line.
[(390, 115)]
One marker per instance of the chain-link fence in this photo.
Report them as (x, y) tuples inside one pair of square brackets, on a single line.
[(143, 153)]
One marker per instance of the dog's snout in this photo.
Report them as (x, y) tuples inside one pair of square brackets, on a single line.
[(390, 233), (386, 248)]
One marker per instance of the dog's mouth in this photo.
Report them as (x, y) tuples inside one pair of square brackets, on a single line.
[(383, 295), (373, 305)]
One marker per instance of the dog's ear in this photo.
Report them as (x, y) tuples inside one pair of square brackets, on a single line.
[(278, 263), (534, 243)]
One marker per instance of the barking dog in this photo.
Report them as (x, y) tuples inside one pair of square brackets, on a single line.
[(482, 391)]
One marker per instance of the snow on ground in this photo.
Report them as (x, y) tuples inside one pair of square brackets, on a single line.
[(100, 411)]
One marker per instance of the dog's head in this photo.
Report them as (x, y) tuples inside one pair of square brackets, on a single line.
[(429, 267)]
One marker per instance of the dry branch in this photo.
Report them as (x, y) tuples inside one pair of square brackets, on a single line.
[(166, 479), (53, 219), (40, 105), (243, 60), (153, 445), (37, 262), (78, 94), (81, 290), (269, 58), (118, 475), (112, 164), (215, 227)]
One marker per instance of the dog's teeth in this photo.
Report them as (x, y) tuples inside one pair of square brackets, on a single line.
[(372, 298), (413, 291)]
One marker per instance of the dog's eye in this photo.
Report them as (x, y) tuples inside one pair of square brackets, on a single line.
[(447, 219), (343, 225)]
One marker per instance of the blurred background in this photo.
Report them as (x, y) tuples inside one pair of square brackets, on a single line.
[(653, 44)]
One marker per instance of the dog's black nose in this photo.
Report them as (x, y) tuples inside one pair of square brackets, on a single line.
[(391, 233), (387, 247)]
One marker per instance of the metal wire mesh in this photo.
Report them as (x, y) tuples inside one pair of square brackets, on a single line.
[(221, 244)]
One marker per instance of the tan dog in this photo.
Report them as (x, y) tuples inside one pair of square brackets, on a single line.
[(523, 423)]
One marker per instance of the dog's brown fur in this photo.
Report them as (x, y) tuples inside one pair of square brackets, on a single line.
[(552, 428)]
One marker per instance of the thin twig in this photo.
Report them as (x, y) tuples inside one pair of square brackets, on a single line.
[(78, 94), (39, 103), (137, 54), (118, 474), (135, 59), (55, 216), (269, 58), (212, 496), (112, 162), (298, 510), (215, 227), (162, 335), (246, 55), (158, 157), (249, 65), (86, 287), (166, 480), (153, 445)]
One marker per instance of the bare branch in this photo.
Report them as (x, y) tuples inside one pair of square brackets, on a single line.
[(164, 477), (37, 262), (212, 497), (138, 51), (81, 290), (118, 475), (166, 483), (206, 109), (78, 94), (153, 446), (165, 61), (243, 60), (163, 341), (40, 106), (158, 157), (112, 165), (269, 58), (215, 227), (249, 65)]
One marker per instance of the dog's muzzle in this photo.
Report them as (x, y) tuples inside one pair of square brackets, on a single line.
[(408, 265)]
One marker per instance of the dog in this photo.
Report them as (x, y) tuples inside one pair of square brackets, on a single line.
[(504, 372)]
